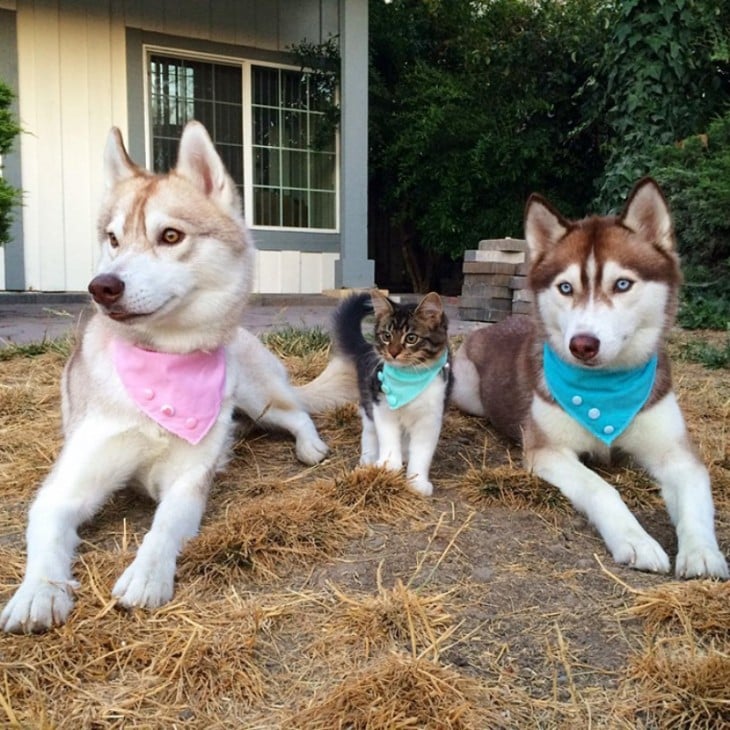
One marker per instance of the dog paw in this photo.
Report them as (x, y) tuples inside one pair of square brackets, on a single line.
[(145, 584), (420, 486), (37, 606), (311, 450), (641, 552), (702, 561)]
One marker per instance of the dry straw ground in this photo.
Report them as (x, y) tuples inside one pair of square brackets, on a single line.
[(331, 597)]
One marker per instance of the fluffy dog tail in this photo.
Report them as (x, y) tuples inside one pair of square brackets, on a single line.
[(354, 359), (333, 387)]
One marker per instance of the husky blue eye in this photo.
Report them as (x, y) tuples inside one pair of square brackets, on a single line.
[(622, 285), (565, 288)]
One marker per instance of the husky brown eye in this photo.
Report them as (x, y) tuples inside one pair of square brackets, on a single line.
[(565, 288), (113, 242), (171, 236)]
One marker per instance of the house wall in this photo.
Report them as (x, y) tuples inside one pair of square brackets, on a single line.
[(73, 85)]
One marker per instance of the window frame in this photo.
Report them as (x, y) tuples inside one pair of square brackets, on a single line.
[(246, 64)]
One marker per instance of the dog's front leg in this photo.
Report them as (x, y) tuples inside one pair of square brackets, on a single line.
[(626, 539), (86, 473), (660, 443), (149, 581)]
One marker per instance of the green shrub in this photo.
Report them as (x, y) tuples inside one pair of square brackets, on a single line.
[(695, 177), (9, 130)]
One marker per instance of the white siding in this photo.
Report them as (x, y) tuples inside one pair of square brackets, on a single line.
[(285, 272), (73, 88)]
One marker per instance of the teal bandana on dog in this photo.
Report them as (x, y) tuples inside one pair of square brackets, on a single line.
[(603, 401), (402, 384)]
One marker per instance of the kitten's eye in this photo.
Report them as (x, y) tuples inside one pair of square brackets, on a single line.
[(565, 288), (385, 336), (171, 236), (411, 338), (113, 242), (622, 285)]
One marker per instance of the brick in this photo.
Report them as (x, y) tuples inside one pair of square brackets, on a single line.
[(489, 267), (499, 257), (522, 308), (522, 295), (503, 244), (504, 304), (482, 314)]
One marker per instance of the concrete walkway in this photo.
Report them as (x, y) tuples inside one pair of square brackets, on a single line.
[(26, 318)]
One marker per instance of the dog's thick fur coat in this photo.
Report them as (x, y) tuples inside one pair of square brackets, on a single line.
[(605, 292), (174, 276)]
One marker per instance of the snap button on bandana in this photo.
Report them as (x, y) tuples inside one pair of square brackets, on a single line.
[(182, 393), (603, 401)]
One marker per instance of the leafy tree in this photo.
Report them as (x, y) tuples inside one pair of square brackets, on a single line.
[(9, 130), (473, 106), (695, 177), (664, 73)]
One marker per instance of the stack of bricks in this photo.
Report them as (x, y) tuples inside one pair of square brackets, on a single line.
[(495, 281)]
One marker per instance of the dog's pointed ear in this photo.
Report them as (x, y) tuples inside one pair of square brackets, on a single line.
[(647, 214), (117, 164), (198, 162), (544, 226)]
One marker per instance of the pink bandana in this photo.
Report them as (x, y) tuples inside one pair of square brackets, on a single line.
[(183, 393)]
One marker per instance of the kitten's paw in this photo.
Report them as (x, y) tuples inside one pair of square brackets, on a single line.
[(311, 450), (640, 551), (146, 583), (699, 561), (37, 606)]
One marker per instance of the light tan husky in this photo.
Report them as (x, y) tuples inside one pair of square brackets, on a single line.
[(149, 393), (588, 374)]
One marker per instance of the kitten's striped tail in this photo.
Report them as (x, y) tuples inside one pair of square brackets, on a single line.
[(347, 324)]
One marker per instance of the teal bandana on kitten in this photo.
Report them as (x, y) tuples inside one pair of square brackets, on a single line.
[(402, 384), (603, 401)]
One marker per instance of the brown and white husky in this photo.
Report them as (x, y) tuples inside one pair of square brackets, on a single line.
[(149, 393), (589, 374)]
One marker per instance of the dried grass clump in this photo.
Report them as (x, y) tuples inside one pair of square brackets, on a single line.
[(266, 536), (377, 494), (396, 692), (30, 421), (637, 489), (697, 606), (399, 615), (109, 668), (680, 686), (513, 487)]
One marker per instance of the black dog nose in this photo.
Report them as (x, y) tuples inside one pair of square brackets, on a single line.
[(106, 289), (584, 347)]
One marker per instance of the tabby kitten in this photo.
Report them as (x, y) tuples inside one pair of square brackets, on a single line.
[(404, 378)]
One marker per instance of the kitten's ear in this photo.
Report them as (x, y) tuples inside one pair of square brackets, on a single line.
[(431, 308), (382, 306)]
